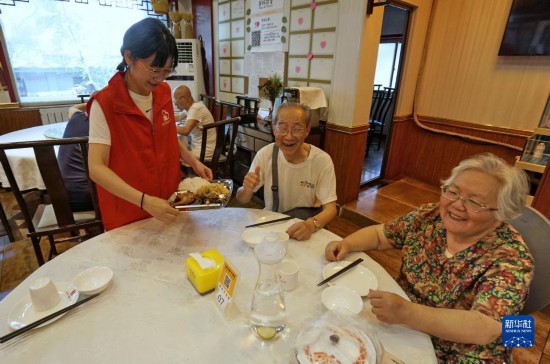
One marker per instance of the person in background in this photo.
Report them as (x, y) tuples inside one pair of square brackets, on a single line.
[(463, 266), (134, 150), (197, 114), (306, 175), (71, 162)]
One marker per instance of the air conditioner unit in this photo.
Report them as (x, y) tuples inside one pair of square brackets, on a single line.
[(189, 69)]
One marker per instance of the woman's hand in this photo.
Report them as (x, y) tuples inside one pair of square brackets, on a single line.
[(159, 208), (201, 170), (301, 230), (336, 250), (389, 308)]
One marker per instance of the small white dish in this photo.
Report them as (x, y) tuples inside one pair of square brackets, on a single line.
[(23, 313), (336, 297), (254, 236), (93, 280), (358, 278)]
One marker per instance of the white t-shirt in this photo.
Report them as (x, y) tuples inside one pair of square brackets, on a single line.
[(99, 129), (198, 111), (299, 184)]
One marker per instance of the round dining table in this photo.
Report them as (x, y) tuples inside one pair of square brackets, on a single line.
[(23, 161), (151, 312)]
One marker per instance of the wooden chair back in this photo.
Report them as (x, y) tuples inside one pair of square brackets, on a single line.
[(66, 222), (222, 158)]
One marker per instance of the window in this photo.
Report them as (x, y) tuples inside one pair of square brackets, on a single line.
[(387, 63), (59, 49)]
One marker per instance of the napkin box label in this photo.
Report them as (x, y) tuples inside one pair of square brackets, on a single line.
[(204, 280)]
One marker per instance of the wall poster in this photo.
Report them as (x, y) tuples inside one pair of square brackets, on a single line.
[(267, 26)]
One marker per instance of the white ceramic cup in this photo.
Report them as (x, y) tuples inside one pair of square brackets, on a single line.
[(288, 274), (44, 294)]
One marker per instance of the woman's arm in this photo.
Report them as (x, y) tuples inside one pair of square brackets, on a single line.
[(101, 174), (463, 326), (188, 157), (369, 238)]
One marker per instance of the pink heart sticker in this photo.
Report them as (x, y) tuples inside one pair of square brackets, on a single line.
[(300, 20), (257, 24), (310, 56), (298, 69), (313, 5), (237, 30), (224, 12), (323, 44), (224, 50), (225, 85)]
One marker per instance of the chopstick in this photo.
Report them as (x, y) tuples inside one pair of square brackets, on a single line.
[(343, 270), (30, 326), (271, 221)]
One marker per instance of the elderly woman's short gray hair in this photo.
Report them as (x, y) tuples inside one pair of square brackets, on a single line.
[(513, 182), (294, 105)]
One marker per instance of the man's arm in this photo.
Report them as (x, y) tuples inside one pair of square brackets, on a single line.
[(186, 129)]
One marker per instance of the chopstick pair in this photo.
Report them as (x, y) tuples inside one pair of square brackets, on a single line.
[(270, 221), (341, 271), (30, 326)]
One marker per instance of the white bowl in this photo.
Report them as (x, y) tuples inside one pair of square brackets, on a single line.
[(254, 236), (93, 280), (336, 297)]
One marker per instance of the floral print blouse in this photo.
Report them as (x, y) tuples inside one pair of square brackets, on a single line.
[(491, 276)]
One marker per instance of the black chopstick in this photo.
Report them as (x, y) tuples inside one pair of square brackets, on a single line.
[(30, 326), (343, 270), (271, 221)]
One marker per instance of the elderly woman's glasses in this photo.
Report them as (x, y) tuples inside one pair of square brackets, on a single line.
[(282, 130), (469, 203), (159, 72)]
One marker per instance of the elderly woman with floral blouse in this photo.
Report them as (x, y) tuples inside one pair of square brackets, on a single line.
[(463, 267)]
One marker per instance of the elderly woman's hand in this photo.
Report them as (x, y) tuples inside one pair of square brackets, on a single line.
[(389, 308), (159, 208), (336, 250)]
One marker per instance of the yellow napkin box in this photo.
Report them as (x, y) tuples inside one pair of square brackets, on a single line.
[(204, 280)]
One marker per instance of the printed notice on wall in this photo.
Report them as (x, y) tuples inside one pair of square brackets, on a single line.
[(267, 26)]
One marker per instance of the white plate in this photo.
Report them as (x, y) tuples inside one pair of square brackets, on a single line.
[(338, 297), (93, 280), (23, 313), (358, 278)]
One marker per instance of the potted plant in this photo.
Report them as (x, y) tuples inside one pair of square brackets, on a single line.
[(271, 88)]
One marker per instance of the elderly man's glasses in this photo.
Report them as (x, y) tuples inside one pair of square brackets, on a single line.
[(469, 203), (283, 129), (159, 72)]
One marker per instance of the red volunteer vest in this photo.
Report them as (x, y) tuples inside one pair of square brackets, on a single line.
[(144, 155)]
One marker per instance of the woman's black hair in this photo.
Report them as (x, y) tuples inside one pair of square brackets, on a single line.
[(146, 37)]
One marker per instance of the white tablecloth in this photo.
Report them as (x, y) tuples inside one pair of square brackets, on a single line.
[(22, 161), (151, 313)]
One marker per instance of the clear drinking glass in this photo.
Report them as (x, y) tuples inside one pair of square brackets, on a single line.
[(267, 316)]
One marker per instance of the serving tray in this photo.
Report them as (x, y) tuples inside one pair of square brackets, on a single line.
[(200, 205)]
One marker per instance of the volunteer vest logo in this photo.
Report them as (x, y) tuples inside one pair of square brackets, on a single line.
[(165, 117)]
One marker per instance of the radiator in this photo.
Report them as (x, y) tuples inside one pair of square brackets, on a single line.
[(52, 115)]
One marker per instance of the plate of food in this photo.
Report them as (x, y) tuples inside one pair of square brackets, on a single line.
[(197, 193)]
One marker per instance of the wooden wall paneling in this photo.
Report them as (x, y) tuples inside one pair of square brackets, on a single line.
[(429, 157), (347, 150), (541, 201), (15, 119)]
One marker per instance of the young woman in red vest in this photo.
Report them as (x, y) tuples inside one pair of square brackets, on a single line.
[(134, 152)]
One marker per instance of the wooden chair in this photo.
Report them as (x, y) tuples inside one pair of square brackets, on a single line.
[(227, 110), (250, 107), (210, 102), (222, 159), (56, 219), (6, 223), (534, 227)]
